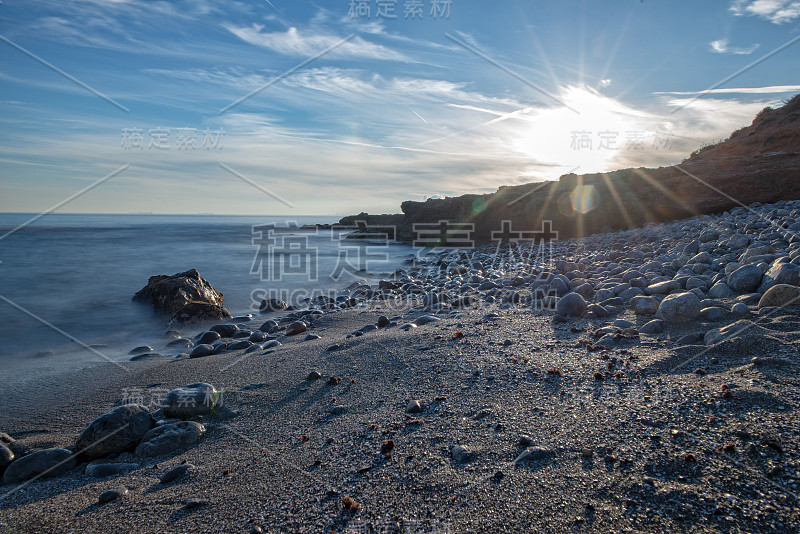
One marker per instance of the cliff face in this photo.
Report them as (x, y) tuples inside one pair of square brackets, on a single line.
[(758, 163)]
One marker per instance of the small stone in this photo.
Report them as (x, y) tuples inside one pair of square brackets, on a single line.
[(383, 321), (176, 472), (414, 406), (140, 350), (461, 455), (311, 337), (534, 455), (202, 350), (297, 327), (313, 375), (112, 494)]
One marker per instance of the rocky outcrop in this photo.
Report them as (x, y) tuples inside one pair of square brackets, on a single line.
[(758, 163), (186, 296)]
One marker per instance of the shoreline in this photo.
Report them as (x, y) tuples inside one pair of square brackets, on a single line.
[(530, 418)]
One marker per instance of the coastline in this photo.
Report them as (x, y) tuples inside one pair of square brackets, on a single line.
[(511, 409)]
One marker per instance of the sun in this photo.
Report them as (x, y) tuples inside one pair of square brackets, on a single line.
[(585, 134)]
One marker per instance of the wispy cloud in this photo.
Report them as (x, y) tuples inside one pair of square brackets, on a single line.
[(770, 89), (306, 43), (720, 46), (775, 11)]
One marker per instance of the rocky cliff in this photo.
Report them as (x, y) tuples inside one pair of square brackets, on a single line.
[(758, 163)]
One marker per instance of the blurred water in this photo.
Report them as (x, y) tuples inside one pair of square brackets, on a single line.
[(79, 272)]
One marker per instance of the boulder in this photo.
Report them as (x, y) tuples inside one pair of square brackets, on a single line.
[(44, 463), (679, 307), (780, 295), (169, 294), (656, 326), (202, 350), (169, 438), (199, 398), (571, 304), (745, 279), (644, 305), (782, 273), (114, 432)]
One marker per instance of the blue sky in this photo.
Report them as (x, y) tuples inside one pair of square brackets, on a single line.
[(491, 93)]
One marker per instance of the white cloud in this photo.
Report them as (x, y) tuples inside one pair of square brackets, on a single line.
[(720, 46), (307, 43), (769, 89), (775, 11)]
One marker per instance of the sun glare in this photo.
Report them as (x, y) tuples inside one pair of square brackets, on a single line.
[(587, 141)]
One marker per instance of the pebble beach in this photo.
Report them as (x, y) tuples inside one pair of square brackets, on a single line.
[(636, 381)]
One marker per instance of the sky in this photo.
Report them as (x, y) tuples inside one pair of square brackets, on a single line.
[(336, 107)]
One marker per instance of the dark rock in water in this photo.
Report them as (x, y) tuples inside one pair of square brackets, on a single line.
[(44, 463), (6, 457), (202, 350), (113, 494), (571, 304), (176, 472), (297, 327), (169, 438), (225, 330), (240, 345), (103, 470), (170, 294), (114, 432), (383, 321), (199, 398), (272, 305), (242, 319), (140, 350), (198, 312)]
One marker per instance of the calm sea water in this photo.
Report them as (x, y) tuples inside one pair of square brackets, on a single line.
[(72, 276)]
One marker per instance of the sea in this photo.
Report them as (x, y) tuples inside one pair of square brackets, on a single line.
[(66, 280)]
